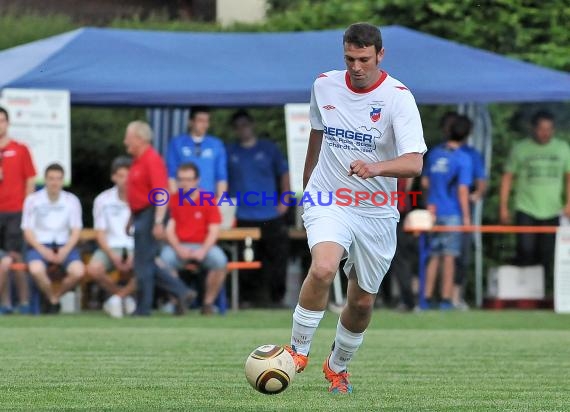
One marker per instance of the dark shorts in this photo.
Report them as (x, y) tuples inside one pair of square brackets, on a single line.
[(11, 237), (33, 254)]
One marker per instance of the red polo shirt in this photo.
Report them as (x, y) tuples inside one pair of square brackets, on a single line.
[(147, 172), (192, 221), (17, 167)]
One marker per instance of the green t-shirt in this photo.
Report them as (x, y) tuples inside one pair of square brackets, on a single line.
[(540, 176)]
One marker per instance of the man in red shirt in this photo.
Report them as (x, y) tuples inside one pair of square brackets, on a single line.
[(146, 183), (192, 233), (17, 175)]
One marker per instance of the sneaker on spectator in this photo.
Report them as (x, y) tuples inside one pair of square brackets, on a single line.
[(129, 305), (6, 310), (24, 309), (114, 307), (461, 305), (169, 308), (446, 306)]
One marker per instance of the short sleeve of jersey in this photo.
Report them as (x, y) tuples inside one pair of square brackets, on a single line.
[(407, 124), (99, 222), (75, 219), (172, 158), (512, 165), (280, 166), (221, 164), (478, 166), (29, 169), (314, 112), (465, 169), (28, 213)]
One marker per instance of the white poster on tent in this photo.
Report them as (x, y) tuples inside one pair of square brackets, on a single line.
[(298, 127), (41, 120), (562, 271)]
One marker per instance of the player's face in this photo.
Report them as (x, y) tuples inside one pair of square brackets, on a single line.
[(54, 181), (200, 124), (120, 178), (544, 131), (132, 142), (3, 125), (187, 179), (362, 64), (243, 128)]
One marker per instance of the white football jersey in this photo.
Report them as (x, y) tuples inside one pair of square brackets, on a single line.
[(51, 221), (373, 125), (111, 215)]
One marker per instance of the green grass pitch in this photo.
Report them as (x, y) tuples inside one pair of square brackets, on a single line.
[(472, 361)]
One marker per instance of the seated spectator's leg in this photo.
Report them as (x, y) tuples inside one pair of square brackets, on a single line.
[(129, 289), (15, 246), (38, 272), (526, 242), (97, 269), (75, 270), (448, 272), (5, 262), (215, 262)]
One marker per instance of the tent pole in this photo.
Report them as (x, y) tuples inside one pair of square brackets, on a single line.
[(480, 139)]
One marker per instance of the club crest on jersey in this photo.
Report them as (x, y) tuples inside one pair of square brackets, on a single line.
[(375, 114)]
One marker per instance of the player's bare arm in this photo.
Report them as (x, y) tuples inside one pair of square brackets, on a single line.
[(407, 165), (315, 140)]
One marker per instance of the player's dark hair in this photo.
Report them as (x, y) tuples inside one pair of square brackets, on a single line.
[(2, 110), (189, 166), (56, 167), (541, 115), (120, 163), (194, 110), (241, 114), (363, 35), (448, 116), (460, 128)]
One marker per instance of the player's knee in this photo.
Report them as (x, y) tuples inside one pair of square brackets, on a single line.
[(323, 272), (76, 270), (95, 269), (362, 305), (36, 268)]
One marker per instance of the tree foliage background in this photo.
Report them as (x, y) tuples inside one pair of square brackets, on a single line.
[(531, 30)]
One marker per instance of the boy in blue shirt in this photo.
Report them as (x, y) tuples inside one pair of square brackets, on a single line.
[(447, 176), (205, 151), (257, 166)]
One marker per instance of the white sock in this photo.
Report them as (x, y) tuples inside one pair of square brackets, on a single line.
[(346, 343), (305, 323)]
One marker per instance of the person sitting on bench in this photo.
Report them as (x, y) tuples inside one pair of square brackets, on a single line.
[(52, 222), (192, 233), (111, 215)]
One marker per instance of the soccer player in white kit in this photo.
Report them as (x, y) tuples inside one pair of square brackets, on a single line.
[(366, 132)]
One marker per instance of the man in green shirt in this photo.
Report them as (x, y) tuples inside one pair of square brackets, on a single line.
[(541, 168)]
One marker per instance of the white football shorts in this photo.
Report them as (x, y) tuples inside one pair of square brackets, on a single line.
[(369, 242)]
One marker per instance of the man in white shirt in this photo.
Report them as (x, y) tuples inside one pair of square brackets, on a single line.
[(366, 132), (111, 215), (52, 222)]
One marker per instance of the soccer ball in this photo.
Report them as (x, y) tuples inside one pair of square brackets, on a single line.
[(270, 369)]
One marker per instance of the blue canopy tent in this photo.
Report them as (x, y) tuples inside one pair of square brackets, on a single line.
[(149, 68), (108, 67)]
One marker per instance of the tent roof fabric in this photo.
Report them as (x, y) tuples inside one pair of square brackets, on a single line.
[(101, 66)]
